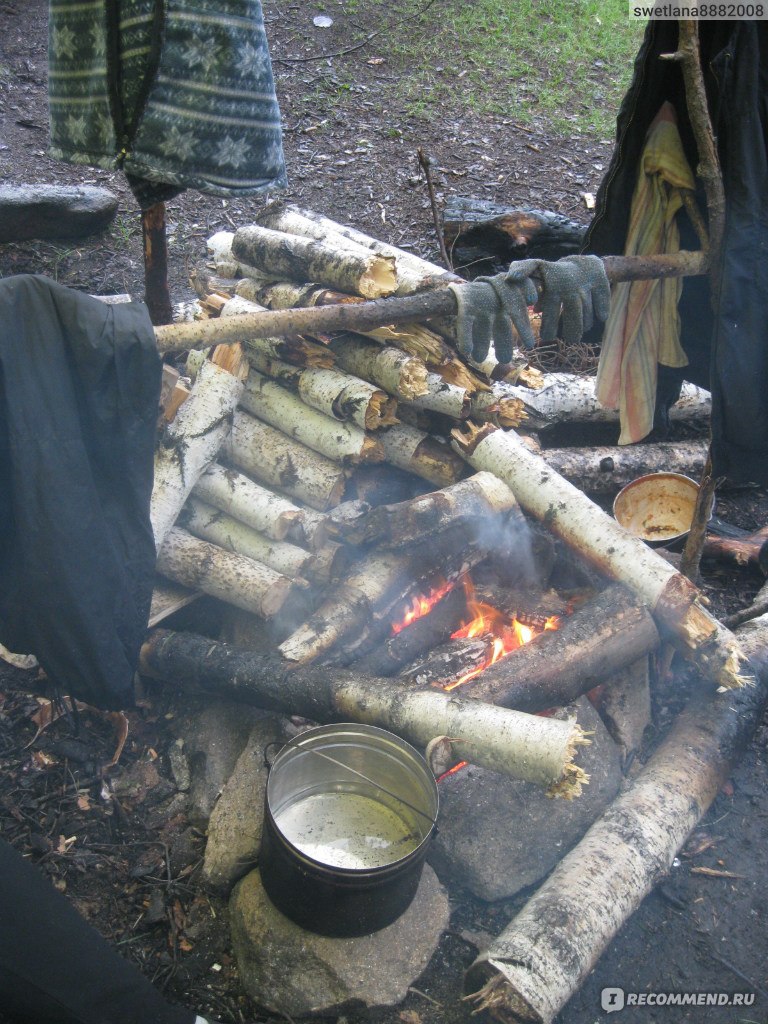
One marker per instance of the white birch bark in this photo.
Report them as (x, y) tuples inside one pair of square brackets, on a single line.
[(191, 442), (281, 462), (285, 411), (401, 375), (585, 527), (236, 494), (444, 398), (233, 578)]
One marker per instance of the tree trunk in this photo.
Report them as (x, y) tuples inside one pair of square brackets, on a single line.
[(540, 750), (559, 665), (570, 514), (301, 259), (532, 969), (607, 470), (418, 453), (281, 462), (191, 442), (342, 442)]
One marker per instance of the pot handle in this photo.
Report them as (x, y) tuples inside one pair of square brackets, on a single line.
[(267, 762)]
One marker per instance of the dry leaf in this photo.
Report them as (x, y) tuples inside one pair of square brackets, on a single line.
[(409, 1017)]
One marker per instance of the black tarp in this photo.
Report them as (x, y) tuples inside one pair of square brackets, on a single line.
[(727, 348), (79, 393)]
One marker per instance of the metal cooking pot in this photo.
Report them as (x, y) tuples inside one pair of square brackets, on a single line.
[(350, 811)]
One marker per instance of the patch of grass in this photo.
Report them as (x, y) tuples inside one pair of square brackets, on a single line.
[(565, 61)]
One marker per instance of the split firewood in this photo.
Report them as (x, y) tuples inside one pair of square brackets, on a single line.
[(606, 470), (448, 662), (336, 394), (294, 350), (423, 634), (300, 259), (343, 442), (539, 961), (401, 375), (674, 600), (503, 410), (463, 503), (540, 750), (192, 441), (279, 461), (363, 601), (236, 494), (419, 453), (206, 282), (209, 523), (559, 665), (233, 578)]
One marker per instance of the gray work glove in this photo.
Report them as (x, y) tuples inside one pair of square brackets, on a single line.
[(575, 287), (487, 309)]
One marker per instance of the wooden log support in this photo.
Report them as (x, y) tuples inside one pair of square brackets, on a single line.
[(279, 461), (342, 442), (531, 970), (540, 750), (605, 470), (192, 441), (233, 578), (674, 601), (559, 665), (300, 259)]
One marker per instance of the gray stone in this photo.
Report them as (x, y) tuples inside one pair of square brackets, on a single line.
[(294, 972), (54, 211), (234, 829), (498, 835), (213, 740)]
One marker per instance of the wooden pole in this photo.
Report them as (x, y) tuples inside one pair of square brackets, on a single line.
[(157, 294)]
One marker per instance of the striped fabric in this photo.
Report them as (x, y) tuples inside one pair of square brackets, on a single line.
[(643, 328), (178, 93)]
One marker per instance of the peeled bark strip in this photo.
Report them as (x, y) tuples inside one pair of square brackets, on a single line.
[(532, 969), (336, 394), (285, 411), (301, 259), (559, 665), (584, 526), (605, 470), (232, 578), (537, 749), (568, 398), (417, 452), (209, 523), (466, 502), (191, 442), (401, 375), (236, 494), (281, 462)]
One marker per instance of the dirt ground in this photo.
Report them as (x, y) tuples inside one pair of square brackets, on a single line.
[(351, 154)]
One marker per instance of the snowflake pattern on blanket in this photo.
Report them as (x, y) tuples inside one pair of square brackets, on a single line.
[(176, 93)]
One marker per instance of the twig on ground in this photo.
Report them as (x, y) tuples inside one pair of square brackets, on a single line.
[(426, 164)]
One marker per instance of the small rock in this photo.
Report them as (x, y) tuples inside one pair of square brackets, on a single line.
[(291, 971), (54, 211)]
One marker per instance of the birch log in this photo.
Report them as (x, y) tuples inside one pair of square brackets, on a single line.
[(570, 515), (605, 470), (401, 375), (332, 392), (540, 750), (236, 494), (291, 349), (192, 441), (233, 578), (281, 462), (532, 969), (209, 523), (343, 442), (301, 259), (444, 398), (419, 453)]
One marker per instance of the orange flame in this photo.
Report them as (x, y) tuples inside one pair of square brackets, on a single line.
[(422, 605), (508, 632)]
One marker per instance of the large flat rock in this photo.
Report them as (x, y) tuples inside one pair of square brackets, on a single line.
[(291, 971), (54, 211)]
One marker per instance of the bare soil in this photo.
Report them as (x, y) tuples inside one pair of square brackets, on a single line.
[(131, 870)]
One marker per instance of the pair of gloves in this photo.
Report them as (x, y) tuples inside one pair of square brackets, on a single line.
[(575, 288)]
